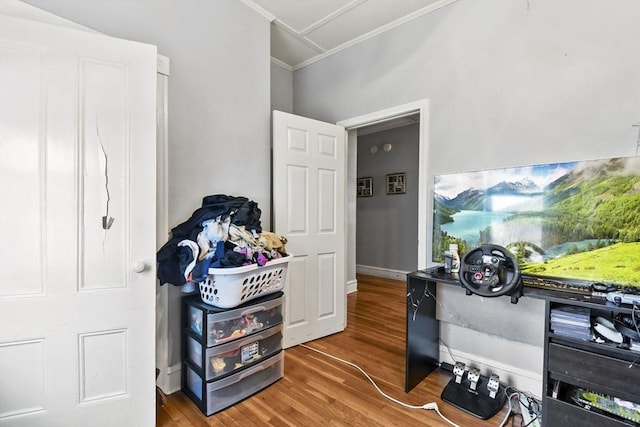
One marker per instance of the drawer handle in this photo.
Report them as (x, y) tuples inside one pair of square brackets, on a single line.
[(253, 310), (252, 371), (254, 338)]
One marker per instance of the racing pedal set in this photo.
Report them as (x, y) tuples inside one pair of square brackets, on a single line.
[(474, 393)]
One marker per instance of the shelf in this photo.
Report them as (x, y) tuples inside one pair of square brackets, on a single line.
[(605, 349), (596, 372), (560, 413), (597, 367), (592, 302)]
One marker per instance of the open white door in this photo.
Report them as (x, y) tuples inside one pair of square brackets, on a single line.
[(309, 180), (77, 228)]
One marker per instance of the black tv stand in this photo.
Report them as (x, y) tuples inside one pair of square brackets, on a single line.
[(601, 369)]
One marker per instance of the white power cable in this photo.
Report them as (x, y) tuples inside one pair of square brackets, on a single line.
[(506, 418), (431, 405)]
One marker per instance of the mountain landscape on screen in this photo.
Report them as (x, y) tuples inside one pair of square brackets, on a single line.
[(575, 220)]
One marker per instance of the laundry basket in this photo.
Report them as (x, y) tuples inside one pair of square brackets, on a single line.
[(230, 287)]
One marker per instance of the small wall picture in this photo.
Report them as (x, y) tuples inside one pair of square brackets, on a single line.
[(396, 183), (365, 187)]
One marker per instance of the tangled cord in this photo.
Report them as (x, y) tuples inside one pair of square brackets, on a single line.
[(532, 403), (431, 405)]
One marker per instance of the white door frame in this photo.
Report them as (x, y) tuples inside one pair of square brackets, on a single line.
[(424, 201), (167, 383)]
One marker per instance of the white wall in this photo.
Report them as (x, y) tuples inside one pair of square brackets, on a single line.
[(510, 83), (219, 99)]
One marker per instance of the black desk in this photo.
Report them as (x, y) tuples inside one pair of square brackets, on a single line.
[(604, 368), (423, 328)]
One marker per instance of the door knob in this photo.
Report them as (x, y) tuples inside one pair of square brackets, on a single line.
[(139, 266)]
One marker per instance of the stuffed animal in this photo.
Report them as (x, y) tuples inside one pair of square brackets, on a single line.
[(218, 364), (271, 241), (241, 237)]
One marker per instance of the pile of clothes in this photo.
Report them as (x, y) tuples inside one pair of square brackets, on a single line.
[(224, 232)]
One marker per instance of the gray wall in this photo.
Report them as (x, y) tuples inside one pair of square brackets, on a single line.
[(509, 83), (281, 89), (219, 98), (387, 225), (219, 90)]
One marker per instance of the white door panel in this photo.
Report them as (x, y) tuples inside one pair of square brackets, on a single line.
[(309, 179), (77, 143)]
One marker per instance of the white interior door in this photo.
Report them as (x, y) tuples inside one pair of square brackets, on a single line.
[(77, 228), (309, 180)]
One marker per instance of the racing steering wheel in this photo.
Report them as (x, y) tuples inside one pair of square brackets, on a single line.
[(491, 271)]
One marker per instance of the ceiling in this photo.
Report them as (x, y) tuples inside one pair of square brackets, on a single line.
[(304, 31)]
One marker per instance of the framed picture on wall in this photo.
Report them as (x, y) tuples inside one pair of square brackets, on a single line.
[(396, 183), (365, 187)]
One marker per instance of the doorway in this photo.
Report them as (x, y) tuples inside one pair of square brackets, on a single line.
[(387, 204), (386, 118)]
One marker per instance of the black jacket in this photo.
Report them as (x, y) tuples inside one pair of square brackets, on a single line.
[(171, 257)]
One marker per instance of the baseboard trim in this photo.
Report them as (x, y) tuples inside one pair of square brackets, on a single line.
[(352, 286), (172, 380), (386, 273), (521, 379)]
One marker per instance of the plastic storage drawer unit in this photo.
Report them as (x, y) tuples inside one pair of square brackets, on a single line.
[(224, 359), (215, 326), (214, 396)]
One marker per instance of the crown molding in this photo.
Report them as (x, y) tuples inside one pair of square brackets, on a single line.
[(281, 64), (373, 33), (326, 53), (259, 9), (336, 13)]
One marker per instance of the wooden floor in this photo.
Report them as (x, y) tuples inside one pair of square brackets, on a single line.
[(319, 391)]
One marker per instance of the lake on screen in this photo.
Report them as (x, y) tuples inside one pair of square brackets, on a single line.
[(467, 224)]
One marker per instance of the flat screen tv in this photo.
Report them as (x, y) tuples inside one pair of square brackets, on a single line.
[(575, 221)]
